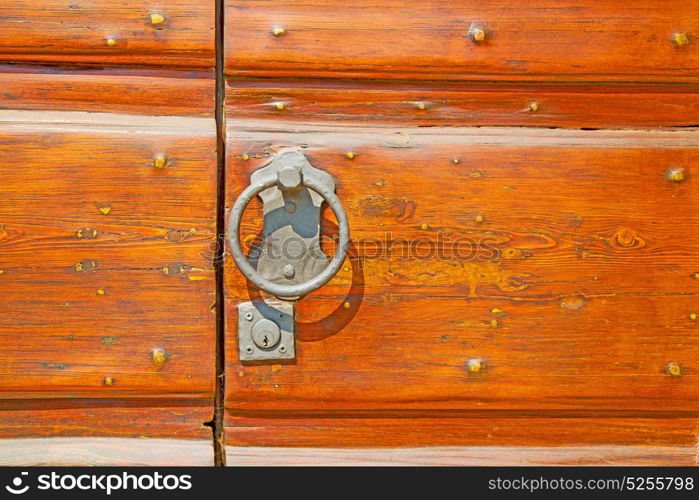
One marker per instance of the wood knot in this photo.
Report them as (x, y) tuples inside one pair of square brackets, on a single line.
[(515, 253), (573, 303), (180, 235), (627, 238), (400, 209)]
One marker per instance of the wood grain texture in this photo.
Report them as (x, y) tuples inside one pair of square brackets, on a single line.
[(576, 293), (67, 452), (513, 296), (105, 258), (127, 92), (458, 457), (487, 428), (73, 32), (156, 417), (580, 40), (529, 105), (458, 438)]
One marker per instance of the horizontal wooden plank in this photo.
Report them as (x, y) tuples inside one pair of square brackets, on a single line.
[(158, 417), (455, 456), (106, 262), (66, 242), (533, 356), (154, 431), (127, 91), (83, 183), (583, 40), (67, 332), (485, 438), (399, 138), (580, 294), (530, 105), (67, 452), (105, 33)]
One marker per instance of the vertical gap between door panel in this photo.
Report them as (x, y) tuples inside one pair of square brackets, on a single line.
[(220, 115)]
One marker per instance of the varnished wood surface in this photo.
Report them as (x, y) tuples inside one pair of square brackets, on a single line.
[(530, 105), (136, 92), (459, 438), (106, 254), (106, 258), (579, 40), (576, 318), (585, 304), (71, 32), (455, 457), (411, 429), (66, 452), (157, 417)]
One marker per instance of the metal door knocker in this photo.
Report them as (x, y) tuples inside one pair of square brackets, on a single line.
[(289, 263)]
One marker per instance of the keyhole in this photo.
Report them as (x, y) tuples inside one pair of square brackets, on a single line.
[(265, 334)]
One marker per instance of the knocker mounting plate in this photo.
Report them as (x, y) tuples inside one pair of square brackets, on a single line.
[(290, 251)]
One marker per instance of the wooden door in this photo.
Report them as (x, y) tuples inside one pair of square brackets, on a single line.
[(519, 182), (520, 287), (107, 231)]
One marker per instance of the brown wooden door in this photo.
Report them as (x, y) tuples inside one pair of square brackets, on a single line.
[(107, 228), (518, 179), (521, 286)]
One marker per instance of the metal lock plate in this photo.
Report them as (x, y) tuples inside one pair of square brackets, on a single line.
[(266, 331)]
